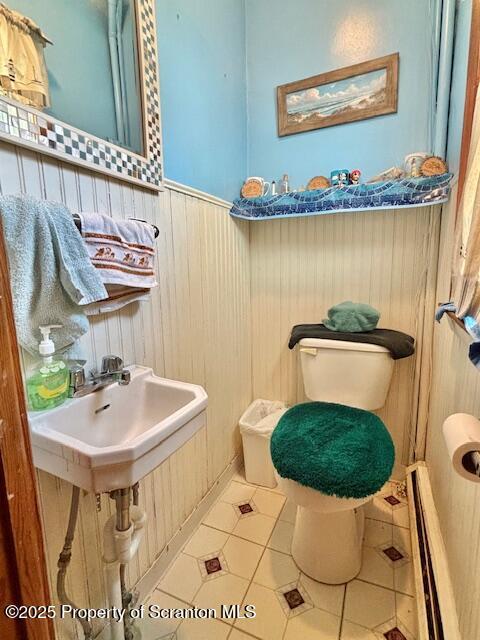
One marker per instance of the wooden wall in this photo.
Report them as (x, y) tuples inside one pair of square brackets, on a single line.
[(301, 267), (229, 294), (195, 328), (455, 389)]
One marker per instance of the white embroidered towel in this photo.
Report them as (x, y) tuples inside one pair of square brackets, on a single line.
[(122, 251), (118, 297)]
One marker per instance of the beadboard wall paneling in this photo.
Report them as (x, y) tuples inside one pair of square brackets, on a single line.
[(455, 389), (301, 267), (196, 327)]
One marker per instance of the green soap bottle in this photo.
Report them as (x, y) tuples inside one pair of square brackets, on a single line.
[(47, 382)]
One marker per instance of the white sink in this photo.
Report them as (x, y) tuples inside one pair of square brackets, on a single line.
[(112, 438)]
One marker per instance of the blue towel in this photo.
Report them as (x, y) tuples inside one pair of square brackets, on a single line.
[(50, 272), (443, 308), (471, 325)]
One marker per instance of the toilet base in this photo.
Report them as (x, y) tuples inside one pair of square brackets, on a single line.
[(327, 546)]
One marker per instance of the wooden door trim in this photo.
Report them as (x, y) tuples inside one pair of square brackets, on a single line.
[(473, 81), (23, 514)]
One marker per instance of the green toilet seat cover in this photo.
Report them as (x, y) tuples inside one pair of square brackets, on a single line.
[(338, 450)]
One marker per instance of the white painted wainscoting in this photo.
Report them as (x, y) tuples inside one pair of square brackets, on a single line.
[(301, 267), (196, 328), (455, 389), (229, 294)]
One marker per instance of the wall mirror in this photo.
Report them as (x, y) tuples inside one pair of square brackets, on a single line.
[(79, 80)]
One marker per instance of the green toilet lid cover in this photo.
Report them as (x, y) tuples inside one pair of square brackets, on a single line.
[(338, 450)]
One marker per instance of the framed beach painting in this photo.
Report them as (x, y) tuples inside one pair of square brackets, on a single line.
[(349, 94)]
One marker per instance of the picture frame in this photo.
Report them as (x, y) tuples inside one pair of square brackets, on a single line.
[(26, 126), (357, 92)]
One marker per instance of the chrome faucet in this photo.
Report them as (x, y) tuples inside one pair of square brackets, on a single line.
[(112, 370)]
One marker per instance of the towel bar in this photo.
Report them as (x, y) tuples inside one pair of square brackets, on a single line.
[(78, 223)]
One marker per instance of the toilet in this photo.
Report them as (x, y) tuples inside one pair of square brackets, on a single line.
[(328, 533)]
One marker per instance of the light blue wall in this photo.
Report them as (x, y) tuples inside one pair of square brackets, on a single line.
[(288, 41), (218, 128), (459, 82), (203, 93)]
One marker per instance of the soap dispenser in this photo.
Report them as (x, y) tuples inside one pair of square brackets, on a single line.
[(47, 381)]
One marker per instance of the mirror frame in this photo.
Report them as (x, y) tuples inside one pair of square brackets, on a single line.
[(28, 127)]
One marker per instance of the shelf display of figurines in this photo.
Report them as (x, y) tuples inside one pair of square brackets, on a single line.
[(355, 176), (424, 165), (389, 175), (344, 177), (339, 177), (417, 165), (433, 166), (318, 182), (413, 162), (255, 187)]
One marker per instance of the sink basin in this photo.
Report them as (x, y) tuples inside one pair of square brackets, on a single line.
[(112, 438)]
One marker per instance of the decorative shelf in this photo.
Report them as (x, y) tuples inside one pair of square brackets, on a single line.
[(394, 194)]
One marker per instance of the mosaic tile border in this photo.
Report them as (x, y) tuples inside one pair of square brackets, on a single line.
[(393, 554), (392, 500), (245, 508), (395, 496), (304, 604), (26, 126), (394, 629), (220, 568), (409, 192)]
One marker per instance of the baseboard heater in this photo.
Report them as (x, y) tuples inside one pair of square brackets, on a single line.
[(436, 611)]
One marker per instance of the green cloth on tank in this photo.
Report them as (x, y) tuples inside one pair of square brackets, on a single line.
[(352, 317), (338, 450)]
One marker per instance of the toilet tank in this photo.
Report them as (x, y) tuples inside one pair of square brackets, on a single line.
[(356, 374)]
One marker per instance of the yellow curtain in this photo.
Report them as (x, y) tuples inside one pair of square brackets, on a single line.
[(466, 260), (23, 75)]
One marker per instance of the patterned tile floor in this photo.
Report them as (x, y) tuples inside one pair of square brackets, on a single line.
[(241, 554)]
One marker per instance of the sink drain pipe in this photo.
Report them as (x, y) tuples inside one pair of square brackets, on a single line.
[(64, 561), (121, 538), (128, 597)]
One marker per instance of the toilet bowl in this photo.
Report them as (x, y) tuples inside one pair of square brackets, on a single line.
[(328, 533)]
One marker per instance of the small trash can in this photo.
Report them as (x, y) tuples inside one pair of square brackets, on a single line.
[(256, 427)]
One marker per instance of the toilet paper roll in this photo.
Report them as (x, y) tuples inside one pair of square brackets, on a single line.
[(462, 437)]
